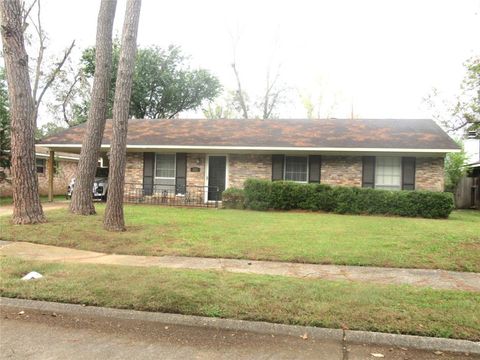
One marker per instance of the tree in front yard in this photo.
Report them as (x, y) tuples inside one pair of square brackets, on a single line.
[(4, 122), (454, 169), (114, 219), (82, 202), (26, 201)]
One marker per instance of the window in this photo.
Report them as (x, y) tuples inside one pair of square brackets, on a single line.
[(296, 168), (388, 173), (40, 163), (165, 166)]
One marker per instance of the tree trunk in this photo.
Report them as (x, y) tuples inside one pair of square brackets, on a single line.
[(26, 201), (82, 201), (114, 220)]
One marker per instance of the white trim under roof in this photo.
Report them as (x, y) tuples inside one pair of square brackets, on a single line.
[(61, 157), (264, 148)]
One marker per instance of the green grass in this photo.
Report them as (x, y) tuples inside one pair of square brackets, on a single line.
[(8, 200), (452, 244), (394, 309)]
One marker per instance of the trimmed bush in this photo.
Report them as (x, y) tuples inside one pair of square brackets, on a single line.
[(233, 198), (257, 194), (285, 195)]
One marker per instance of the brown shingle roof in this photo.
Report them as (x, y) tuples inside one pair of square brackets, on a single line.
[(322, 133)]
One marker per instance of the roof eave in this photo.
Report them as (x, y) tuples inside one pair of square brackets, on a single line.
[(262, 148)]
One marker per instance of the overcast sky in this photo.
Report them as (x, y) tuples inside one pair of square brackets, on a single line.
[(382, 56)]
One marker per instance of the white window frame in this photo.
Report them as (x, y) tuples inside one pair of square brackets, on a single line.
[(395, 187), (174, 168), (285, 168)]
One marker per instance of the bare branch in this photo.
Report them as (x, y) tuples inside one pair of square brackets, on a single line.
[(41, 49), (26, 14), (53, 76), (241, 98), (67, 97)]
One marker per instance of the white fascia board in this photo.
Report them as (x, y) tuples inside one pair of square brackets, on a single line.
[(264, 148)]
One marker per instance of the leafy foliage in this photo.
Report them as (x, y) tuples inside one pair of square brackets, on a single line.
[(454, 169), (285, 195), (4, 122), (163, 84), (233, 198)]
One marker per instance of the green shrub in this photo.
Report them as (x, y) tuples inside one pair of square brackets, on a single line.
[(285, 195), (257, 194), (233, 198)]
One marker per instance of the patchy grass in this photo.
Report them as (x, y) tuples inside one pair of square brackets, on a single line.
[(452, 244), (8, 200), (394, 309)]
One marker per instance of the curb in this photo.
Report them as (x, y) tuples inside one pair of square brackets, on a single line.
[(353, 336)]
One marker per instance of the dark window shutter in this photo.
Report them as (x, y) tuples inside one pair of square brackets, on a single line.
[(277, 167), (408, 173), (368, 172), (181, 173), (148, 172), (314, 165)]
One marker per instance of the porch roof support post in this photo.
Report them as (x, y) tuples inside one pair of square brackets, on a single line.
[(51, 160)]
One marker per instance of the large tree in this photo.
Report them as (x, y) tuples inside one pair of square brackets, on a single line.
[(4, 122), (26, 200), (163, 84), (462, 113), (82, 202), (114, 219)]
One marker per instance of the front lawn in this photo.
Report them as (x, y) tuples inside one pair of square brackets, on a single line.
[(334, 304), (452, 244)]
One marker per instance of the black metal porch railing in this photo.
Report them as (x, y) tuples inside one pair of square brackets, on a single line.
[(172, 195)]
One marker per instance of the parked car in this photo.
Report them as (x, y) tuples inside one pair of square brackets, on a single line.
[(100, 185)]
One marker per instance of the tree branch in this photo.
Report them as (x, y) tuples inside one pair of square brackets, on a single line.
[(67, 97), (53, 76), (240, 92), (26, 13), (41, 49)]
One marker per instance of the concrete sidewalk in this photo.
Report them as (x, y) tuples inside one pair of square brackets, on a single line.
[(437, 279)]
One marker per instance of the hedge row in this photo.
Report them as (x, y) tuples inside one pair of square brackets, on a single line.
[(285, 195)]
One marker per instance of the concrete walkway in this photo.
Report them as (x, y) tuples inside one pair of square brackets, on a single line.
[(438, 279)]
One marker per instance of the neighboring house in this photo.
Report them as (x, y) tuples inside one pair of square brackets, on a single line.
[(65, 165), (175, 155)]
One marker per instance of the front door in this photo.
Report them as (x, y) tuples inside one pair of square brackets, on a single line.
[(217, 168)]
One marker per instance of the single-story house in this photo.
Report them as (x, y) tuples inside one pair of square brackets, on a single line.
[(182, 154), (64, 168)]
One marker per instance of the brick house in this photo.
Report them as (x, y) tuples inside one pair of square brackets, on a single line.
[(181, 154), (65, 165)]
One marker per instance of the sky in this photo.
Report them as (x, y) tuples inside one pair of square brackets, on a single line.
[(381, 57)]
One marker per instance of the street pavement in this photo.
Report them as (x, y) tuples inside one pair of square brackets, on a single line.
[(35, 334)]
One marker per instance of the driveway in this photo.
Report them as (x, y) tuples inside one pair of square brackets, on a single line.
[(8, 209)]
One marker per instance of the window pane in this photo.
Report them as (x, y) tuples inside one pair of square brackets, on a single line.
[(388, 173), (296, 168), (40, 163), (165, 165)]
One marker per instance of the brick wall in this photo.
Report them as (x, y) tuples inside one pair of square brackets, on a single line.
[(196, 161), (65, 172), (341, 170), (244, 166), (429, 173), (134, 168)]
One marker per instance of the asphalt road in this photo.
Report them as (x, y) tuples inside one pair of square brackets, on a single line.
[(41, 335)]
